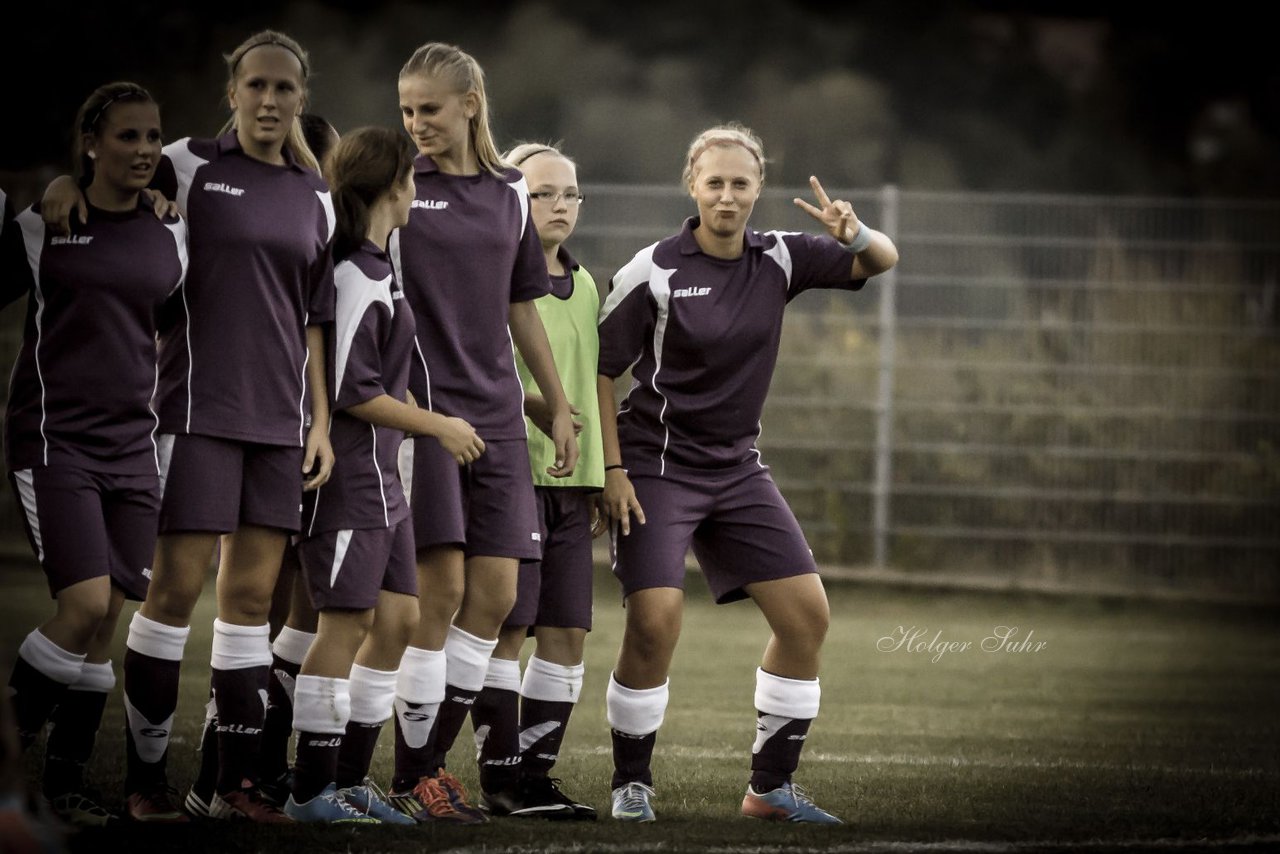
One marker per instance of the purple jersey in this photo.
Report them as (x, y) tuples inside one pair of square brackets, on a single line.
[(702, 334), (370, 355), (7, 217), (469, 251), (81, 389), (234, 364)]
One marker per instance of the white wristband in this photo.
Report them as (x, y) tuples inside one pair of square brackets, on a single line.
[(861, 240)]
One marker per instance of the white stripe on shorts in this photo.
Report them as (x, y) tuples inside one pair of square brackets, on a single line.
[(404, 461), (27, 492), (164, 456), (340, 546)]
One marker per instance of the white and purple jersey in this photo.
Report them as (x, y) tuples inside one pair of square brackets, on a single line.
[(701, 336), (469, 250), (234, 364), (81, 389), (370, 354)]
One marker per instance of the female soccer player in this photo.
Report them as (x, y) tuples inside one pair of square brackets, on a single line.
[(357, 542), (239, 446), (471, 266), (292, 618), (522, 724), (699, 315), (79, 426)]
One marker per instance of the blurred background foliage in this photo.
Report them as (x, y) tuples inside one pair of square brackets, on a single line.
[(1069, 97)]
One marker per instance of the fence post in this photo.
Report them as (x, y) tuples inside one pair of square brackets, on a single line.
[(882, 489)]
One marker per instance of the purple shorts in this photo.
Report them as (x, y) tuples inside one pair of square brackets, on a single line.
[(736, 520), (347, 569), (556, 591), (85, 524), (217, 485), (487, 508)]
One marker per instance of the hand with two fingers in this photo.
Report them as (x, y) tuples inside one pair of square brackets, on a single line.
[(837, 217)]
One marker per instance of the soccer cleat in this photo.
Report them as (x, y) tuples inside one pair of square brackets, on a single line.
[(631, 802), (276, 791), (157, 805), (427, 802), (788, 802), (247, 804), (539, 789), (81, 809), (369, 800), (452, 787), (198, 804), (520, 801), (328, 807)]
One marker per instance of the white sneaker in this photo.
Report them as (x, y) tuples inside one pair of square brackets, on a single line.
[(631, 802)]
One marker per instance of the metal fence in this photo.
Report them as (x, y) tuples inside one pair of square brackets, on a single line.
[(1048, 391)]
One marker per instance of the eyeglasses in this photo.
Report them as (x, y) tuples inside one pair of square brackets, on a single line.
[(572, 197)]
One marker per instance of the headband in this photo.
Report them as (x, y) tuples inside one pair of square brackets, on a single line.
[(277, 43), (91, 124), (545, 149), (724, 140)]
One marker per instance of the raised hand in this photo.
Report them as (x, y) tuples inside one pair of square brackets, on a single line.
[(837, 217)]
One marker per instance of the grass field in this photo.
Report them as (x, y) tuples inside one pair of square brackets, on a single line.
[(1133, 726)]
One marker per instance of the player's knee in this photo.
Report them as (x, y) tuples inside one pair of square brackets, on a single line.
[(444, 597), (493, 604), (92, 612), (172, 604), (808, 633), (398, 630), (244, 606), (83, 623), (362, 622), (818, 623), (560, 646), (652, 632), (510, 642)]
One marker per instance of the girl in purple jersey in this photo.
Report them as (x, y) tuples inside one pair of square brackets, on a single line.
[(292, 617), (79, 426), (471, 266), (243, 408), (264, 214), (357, 546), (697, 318)]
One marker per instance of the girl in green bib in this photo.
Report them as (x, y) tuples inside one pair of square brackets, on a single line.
[(520, 723)]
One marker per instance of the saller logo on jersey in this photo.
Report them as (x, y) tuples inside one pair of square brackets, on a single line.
[(82, 240), (690, 292), (429, 204), (218, 187)]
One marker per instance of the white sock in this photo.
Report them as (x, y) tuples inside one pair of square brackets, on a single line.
[(373, 694), (468, 659), (636, 712), (419, 693), (552, 683)]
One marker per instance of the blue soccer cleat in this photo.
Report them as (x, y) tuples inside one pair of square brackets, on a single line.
[(631, 802), (785, 803), (326, 808), (369, 800)]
